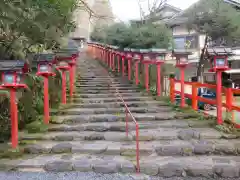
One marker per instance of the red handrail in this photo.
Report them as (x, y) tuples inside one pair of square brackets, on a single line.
[(128, 112)]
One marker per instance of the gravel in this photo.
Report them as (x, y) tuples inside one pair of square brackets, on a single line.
[(82, 176)]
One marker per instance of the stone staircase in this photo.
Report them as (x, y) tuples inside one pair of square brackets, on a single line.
[(90, 135)]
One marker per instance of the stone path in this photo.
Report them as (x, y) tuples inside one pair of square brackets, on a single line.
[(90, 136)]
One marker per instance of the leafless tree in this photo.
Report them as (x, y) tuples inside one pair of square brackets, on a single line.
[(153, 6)]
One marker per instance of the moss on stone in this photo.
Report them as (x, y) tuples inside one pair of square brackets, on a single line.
[(12, 153), (36, 127)]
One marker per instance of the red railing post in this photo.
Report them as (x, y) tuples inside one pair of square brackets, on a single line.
[(194, 96)]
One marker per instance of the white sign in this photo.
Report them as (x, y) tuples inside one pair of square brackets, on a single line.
[(43, 68), (9, 78)]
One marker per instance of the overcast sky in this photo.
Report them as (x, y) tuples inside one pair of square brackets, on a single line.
[(129, 9)]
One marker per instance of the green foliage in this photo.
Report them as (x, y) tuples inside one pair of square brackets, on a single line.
[(215, 18), (37, 127), (26, 25), (142, 36)]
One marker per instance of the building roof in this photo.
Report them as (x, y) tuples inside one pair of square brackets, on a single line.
[(181, 17), (157, 11), (233, 2)]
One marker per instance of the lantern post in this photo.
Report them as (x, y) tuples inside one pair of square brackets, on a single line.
[(182, 63), (123, 62), (219, 61), (12, 72), (146, 61), (118, 60), (69, 56), (114, 54), (136, 59), (159, 57), (44, 63), (63, 66)]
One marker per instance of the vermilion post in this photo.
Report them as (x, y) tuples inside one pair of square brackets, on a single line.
[(129, 69), (71, 78), (194, 97), (147, 77), (14, 118), (182, 87), (110, 63), (219, 97), (113, 61), (64, 98), (172, 88), (123, 67), (159, 88), (46, 100), (118, 59), (136, 73)]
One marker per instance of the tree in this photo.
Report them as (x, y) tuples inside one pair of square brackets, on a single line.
[(218, 21), (142, 36), (32, 23), (153, 6)]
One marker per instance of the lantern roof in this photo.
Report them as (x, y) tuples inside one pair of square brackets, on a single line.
[(12, 65), (184, 52), (218, 51), (45, 57), (135, 50), (159, 51), (145, 50), (127, 49)]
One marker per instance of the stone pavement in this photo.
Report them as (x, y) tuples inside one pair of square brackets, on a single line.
[(90, 136)]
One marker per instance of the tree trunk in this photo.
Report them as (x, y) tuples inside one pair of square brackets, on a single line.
[(200, 67)]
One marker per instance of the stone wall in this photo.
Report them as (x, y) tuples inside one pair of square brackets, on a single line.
[(85, 24)]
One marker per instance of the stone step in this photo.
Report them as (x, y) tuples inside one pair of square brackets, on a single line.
[(81, 111), (102, 85), (153, 148), (119, 104), (106, 91), (106, 78), (115, 118), (213, 167), (121, 126), (111, 99), (144, 134), (79, 81), (109, 88), (135, 94)]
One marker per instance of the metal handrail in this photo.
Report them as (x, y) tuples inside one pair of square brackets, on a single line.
[(128, 112)]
